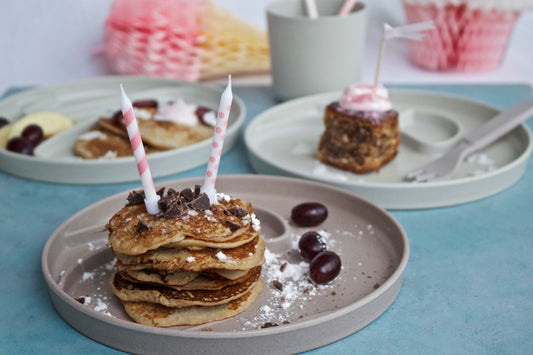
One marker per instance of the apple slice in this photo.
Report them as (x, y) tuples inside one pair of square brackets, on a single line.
[(50, 122)]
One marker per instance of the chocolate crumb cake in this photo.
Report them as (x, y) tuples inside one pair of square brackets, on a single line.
[(361, 130)]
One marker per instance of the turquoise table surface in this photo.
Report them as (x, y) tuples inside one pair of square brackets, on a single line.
[(468, 285)]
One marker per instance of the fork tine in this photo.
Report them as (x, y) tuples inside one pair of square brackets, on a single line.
[(426, 176), (420, 175), (413, 174)]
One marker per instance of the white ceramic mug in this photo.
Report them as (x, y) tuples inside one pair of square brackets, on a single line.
[(313, 55)]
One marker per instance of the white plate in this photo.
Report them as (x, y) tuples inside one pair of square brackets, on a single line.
[(283, 140), (86, 101), (373, 248)]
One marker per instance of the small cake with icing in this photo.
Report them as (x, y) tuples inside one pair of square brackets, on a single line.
[(361, 130)]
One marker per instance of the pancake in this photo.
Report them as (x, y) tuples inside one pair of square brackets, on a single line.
[(163, 134), (213, 225), (132, 291), (231, 274), (98, 143), (192, 243), (242, 258), (204, 281), (154, 314), (181, 277), (160, 277)]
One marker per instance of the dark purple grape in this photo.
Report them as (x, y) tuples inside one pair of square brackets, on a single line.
[(20, 145), (324, 267), (117, 118), (145, 104), (33, 134), (311, 244), (309, 214), (3, 121)]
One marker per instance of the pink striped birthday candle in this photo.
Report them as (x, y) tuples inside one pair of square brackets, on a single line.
[(151, 197), (218, 140)]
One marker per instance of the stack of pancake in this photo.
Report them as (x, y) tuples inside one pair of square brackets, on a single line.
[(107, 139), (192, 263)]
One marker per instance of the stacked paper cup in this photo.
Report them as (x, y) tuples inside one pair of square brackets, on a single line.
[(182, 39), (469, 35)]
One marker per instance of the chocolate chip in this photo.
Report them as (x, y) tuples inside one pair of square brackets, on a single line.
[(171, 192), (142, 227), (238, 212), (163, 204), (80, 299), (172, 212), (282, 267), (161, 192), (232, 226), (200, 203), (197, 189), (187, 194), (277, 285), (135, 198), (269, 324)]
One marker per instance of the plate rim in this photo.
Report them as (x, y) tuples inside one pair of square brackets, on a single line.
[(392, 280)]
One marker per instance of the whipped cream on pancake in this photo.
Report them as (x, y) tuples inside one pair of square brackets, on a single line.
[(142, 113), (89, 135), (362, 97), (178, 112)]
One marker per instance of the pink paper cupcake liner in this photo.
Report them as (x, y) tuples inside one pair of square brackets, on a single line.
[(465, 39)]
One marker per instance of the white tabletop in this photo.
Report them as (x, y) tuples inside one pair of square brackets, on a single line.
[(47, 42)]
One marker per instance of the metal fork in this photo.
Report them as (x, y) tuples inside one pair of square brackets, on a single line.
[(487, 133)]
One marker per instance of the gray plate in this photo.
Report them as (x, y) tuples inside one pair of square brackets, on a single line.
[(86, 101), (283, 141), (373, 248)]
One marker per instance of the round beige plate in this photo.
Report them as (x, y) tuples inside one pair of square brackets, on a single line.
[(372, 246)]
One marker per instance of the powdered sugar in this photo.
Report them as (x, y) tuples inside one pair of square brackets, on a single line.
[(221, 256), (87, 276), (98, 281), (100, 305), (220, 196), (256, 224), (290, 287), (480, 164)]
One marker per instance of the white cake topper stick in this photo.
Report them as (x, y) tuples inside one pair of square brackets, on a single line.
[(218, 140), (137, 147), (412, 31)]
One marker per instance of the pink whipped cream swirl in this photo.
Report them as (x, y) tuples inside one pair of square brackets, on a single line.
[(361, 97)]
